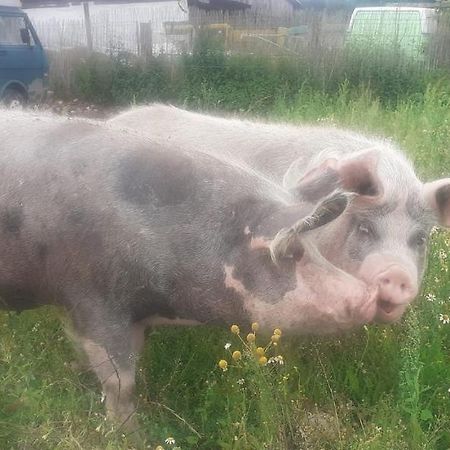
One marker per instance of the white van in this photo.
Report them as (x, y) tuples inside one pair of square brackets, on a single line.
[(406, 28)]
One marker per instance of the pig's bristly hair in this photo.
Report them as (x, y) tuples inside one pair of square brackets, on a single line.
[(288, 241)]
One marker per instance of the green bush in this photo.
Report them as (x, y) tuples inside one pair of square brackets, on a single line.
[(209, 78)]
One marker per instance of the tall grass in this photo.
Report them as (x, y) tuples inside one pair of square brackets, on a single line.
[(211, 78)]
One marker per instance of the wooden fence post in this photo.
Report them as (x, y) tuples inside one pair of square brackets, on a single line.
[(145, 44), (87, 25)]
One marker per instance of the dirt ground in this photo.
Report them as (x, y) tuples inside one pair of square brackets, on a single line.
[(75, 108)]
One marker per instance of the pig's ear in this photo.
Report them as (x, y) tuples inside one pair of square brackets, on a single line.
[(355, 174), (437, 195), (288, 243)]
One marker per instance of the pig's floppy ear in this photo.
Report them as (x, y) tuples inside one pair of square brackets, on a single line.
[(287, 242), (437, 196), (353, 174)]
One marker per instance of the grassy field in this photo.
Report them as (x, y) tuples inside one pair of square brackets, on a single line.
[(378, 388)]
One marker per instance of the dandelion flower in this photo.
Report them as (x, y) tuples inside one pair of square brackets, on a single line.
[(227, 346), (251, 337), (277, 331), (237, 355), (160, 447), (275, 338), (260, 351), (255, 326), (235, 329), (223, 365), (444, 318), (262, 361), (170, 441)]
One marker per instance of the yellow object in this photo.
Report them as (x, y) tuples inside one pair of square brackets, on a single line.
[(237, 355), (223, 364)]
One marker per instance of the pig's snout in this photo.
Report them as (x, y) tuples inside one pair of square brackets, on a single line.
[(397, 288)]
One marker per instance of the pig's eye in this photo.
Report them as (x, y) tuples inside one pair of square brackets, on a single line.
[(365, 229)]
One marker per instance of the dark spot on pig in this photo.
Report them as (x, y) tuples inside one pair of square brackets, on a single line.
[(242, 213), (264, 279), (12, 220), (42, 251), (161, 181), (443, 197)]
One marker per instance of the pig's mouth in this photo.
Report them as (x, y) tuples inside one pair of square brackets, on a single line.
[(388, 311), (386, 306)]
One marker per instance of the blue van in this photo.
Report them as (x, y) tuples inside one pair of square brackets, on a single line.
[(23, 63)]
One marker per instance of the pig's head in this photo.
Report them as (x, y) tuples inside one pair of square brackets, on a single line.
[(382, 236), (285, 281)]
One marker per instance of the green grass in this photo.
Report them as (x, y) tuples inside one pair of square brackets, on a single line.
[(377, 388)]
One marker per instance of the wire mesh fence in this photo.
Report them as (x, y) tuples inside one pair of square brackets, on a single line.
[(332, 43)]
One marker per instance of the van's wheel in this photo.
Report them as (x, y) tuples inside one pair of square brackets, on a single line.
[(14, 99)]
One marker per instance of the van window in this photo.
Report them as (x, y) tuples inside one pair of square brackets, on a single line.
[(387, 23), (10, 30)]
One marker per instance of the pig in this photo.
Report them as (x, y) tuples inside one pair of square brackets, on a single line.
[(123, 232), (381, 237)]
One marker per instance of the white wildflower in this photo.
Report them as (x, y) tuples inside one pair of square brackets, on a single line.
[(276, 360), (170, 441), (227, 346), (430, 297), (444, 318)]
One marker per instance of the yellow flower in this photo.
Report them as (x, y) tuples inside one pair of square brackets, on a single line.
[(277, 331), (223, 364), (237, 355), (160, 447), (260, 351), (251, 337), (235, 329), (255, 326), (275, 338), (262, 361)]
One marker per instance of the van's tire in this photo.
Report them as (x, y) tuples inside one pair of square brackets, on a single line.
[(14, 99)]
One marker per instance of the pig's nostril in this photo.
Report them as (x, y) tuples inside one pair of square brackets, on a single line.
[(386, 281), (403, 286)]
